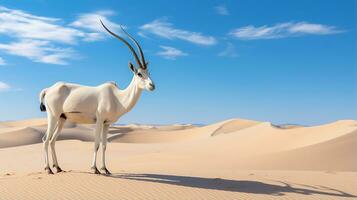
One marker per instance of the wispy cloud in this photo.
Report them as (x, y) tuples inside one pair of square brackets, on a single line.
[(229, 51), (2, 61), (283, 30), (18, 24), (221, 10), (170, 53), (90, 22), (163, 28), (47, 39), (38, 51), (4, 86)]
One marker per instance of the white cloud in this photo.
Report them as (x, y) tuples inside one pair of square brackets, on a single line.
[(221, 10), (38, 51), (308, 28), (2, 61), (4, 86), (166, 30), (282, 30), (229, 51), (170, 52), (90, 22), (18, 24), (46, 39)]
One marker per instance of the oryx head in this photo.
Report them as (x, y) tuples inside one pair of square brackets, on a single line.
[(141, 72)]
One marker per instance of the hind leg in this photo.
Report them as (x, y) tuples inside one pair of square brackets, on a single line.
[(97, 134), (52, 123), (60, 124), (104, 147)]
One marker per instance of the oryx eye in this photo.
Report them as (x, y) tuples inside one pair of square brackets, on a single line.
[(140, 75)]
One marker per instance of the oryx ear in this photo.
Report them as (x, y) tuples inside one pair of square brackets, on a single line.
[(132, 68)]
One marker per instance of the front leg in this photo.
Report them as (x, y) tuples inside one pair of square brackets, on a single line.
[(104, 147), (98, 131)]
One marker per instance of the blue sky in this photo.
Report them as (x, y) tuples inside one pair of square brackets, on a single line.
[(278, 61)]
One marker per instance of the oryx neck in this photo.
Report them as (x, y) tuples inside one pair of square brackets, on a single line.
[(130, 95)]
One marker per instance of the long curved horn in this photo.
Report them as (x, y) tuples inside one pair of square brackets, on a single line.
[(125, 42), (138, 46)]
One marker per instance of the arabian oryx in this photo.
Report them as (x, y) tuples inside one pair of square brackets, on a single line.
[(102, 105)]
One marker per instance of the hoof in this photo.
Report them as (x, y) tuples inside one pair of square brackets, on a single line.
[(95, 170), (48, 170), (58, 169), (106, 171)]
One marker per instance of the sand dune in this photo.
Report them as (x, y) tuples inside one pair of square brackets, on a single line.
[(336, 154), (17, 137), (233, 159), (25, 123), (234, 125)]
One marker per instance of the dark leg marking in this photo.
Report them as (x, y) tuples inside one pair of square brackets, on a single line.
[(95, 170), (107, 172), (58, 169), (63, 116), (48, 170)]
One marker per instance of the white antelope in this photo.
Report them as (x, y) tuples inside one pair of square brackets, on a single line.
[(101, 105)]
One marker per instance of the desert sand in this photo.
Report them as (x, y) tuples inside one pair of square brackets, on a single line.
[(233, 159)]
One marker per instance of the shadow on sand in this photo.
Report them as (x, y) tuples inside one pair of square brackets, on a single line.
[(244, 186)]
